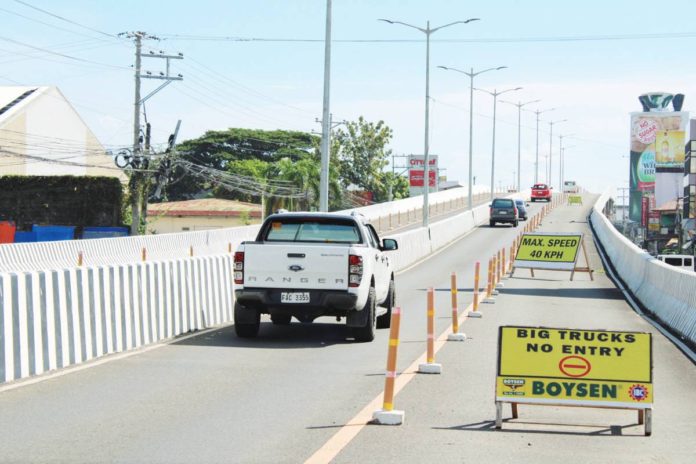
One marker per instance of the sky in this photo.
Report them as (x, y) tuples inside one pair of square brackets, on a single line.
[(260, 64)]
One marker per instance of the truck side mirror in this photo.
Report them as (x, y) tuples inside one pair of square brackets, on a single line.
[(389, 244)]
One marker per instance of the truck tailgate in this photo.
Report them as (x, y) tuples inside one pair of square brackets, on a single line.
[(306, 266)]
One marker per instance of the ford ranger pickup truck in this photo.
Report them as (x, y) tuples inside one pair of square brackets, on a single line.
[(307, 265)]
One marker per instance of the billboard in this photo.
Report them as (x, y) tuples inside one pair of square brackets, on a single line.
[(657, 145), (416, 173), (574, 367)]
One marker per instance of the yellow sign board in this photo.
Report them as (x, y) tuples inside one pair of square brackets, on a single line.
[(569, 366), (574, 200), (548, 251)]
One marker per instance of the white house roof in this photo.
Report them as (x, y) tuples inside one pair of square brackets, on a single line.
[(13, 98)]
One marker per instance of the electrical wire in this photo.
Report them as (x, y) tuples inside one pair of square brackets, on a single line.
[(581, 38)]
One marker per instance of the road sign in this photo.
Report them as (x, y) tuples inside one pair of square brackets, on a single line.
[(574, 367), (556, 251)]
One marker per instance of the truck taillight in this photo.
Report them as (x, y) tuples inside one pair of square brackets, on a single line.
[(355, 270), (239, 267)]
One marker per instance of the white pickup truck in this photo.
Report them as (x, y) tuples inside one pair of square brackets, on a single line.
[(307, 265)]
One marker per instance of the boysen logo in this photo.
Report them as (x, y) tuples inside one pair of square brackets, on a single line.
[(513, 384), (296, 268), (638, 392)]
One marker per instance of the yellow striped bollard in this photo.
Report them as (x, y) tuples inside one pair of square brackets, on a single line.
[(388, 415), (430, 366), (455, 336)]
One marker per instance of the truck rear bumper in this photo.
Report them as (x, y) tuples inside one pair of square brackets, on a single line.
[(321, 302)]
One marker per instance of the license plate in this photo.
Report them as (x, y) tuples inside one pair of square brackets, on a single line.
[(294, 297), (503, 212)]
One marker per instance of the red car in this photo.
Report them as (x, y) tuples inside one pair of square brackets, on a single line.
[(541, 192)]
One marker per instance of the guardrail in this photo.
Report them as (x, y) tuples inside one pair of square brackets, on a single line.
[(668, 293), (51, 319)]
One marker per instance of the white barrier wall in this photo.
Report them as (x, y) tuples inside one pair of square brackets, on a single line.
[(51, 319), (666, 292)]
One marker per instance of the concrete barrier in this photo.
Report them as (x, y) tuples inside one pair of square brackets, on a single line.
[(54, 318), (668, 293)]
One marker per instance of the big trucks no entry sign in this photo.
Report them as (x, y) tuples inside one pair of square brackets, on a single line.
[(569, 366)]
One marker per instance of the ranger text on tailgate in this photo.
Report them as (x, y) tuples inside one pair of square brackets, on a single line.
[(307, 265)]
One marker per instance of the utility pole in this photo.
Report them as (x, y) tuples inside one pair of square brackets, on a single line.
[(326, 139), (137, 184), (326, 120)]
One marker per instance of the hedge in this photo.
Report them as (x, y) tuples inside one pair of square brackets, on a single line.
[(61, 200)]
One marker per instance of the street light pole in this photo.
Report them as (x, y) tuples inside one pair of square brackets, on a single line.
[(561, 160), (519, 106), (326, 122), (471, 75), (495, 94), (551, 123), (536, 161), (426, 155)]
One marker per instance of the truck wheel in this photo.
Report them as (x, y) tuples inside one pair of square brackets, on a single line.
[(515, 224), (384, 321), (246, 321), (491, 223), (367, 332), (281, 319)]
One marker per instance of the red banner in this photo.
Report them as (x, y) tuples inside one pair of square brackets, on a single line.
[(415, 177)]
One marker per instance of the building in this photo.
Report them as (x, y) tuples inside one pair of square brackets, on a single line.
[(41, 134), (204, 214)]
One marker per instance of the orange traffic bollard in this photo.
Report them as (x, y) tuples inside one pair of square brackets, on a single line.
[(79, 258), (504, 264), (387, 415), (144, 254), (475, 312), (430, 366), (455, 336), (489, 285)]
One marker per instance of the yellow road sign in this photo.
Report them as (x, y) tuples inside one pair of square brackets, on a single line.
[(548, 251), (538, 364)]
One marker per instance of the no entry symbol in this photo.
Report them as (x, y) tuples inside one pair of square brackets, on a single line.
[(574, 366)]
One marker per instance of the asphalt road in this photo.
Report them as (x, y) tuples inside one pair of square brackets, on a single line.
[(281, 397)]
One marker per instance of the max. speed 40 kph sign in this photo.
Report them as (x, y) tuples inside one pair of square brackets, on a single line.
[(556, 251)]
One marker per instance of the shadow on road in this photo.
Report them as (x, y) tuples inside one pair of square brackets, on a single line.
[(292, 336), (591, 293)]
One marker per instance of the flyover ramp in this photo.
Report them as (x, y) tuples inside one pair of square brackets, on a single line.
[(211, 397), (450, 417)]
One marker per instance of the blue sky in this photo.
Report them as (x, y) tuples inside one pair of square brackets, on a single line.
[(593, 83)]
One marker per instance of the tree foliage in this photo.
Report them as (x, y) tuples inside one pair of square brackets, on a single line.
[(359, 154)]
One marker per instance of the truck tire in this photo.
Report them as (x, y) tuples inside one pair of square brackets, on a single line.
[(281, 319), (384, 321), (366, 333), (515, 224), (491, 223), (246, 321)]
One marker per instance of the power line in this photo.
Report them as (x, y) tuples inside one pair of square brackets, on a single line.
[(113, 36), (583, 38), (6, 39)]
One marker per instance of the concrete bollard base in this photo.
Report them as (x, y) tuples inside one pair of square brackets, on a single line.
[(499, 285), (495, 292), (490, 300), (456, 337), (430, 368), (383, 417), (474, 314)]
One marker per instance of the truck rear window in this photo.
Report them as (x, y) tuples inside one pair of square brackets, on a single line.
[(312, 231)]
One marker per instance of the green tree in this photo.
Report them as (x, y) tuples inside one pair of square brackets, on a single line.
[(219, 149), (363, 153)]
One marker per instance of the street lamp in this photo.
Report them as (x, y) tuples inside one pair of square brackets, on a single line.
[(551, 123), (519, 106), (561, 160), (495, 94), (536, 161), (426, 155), (471, 75)]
